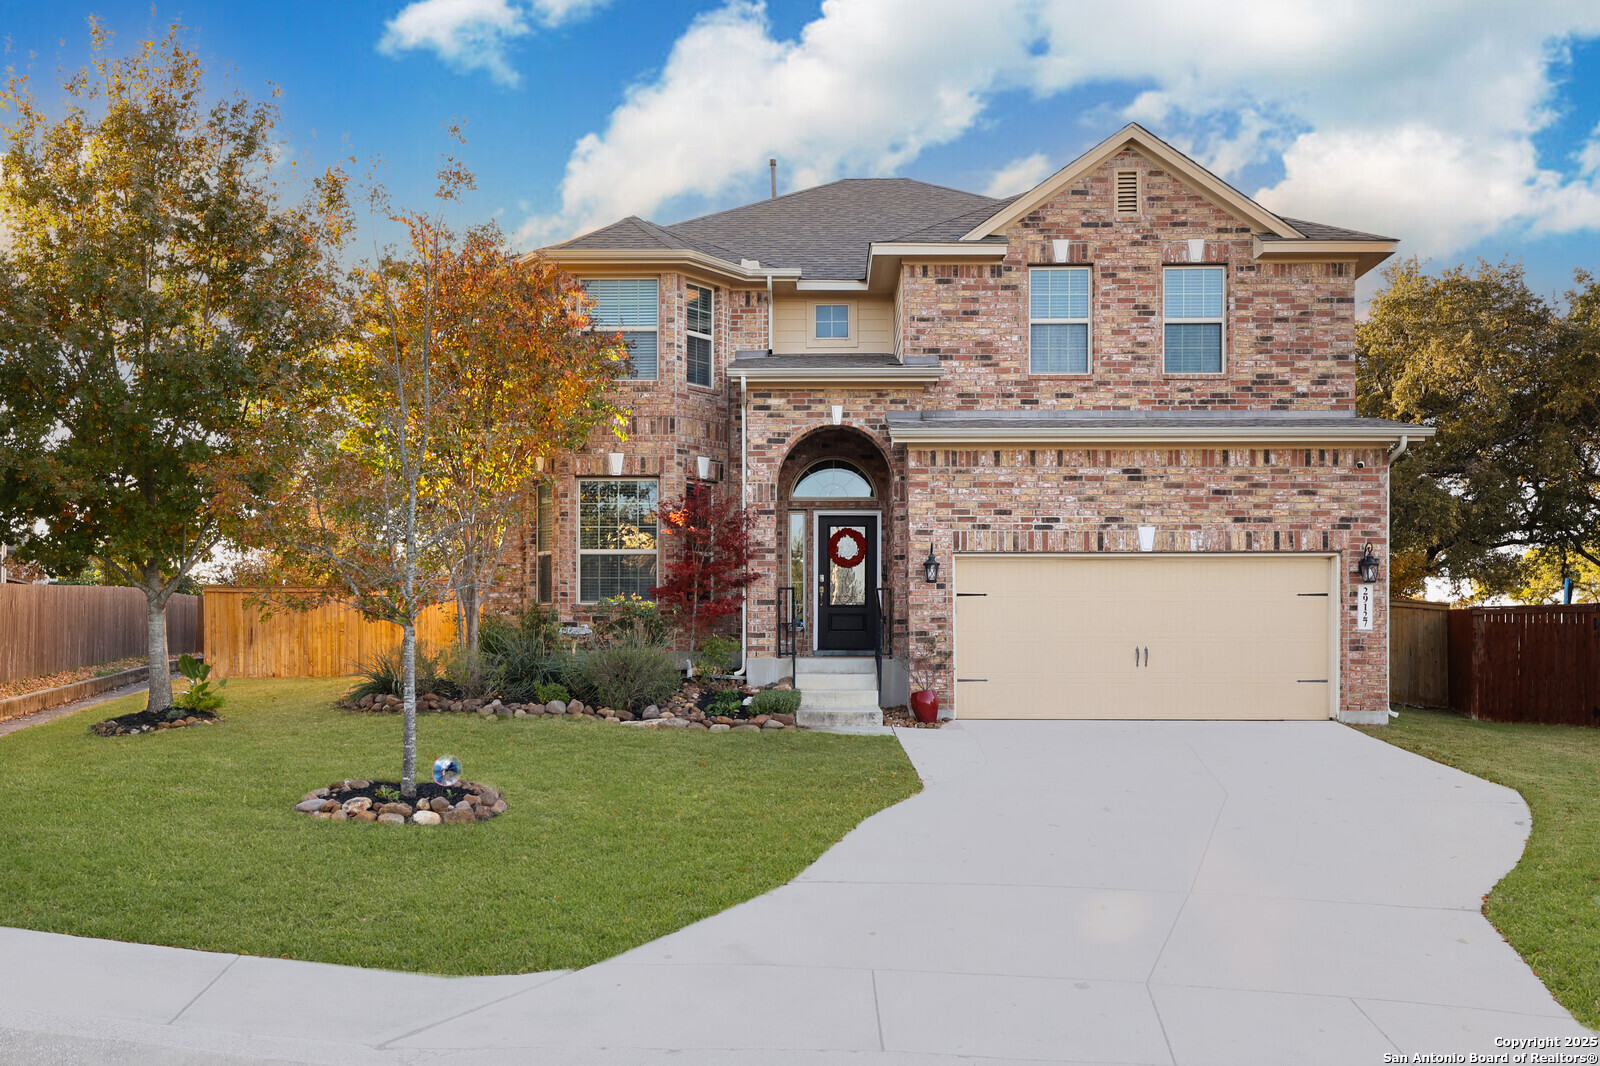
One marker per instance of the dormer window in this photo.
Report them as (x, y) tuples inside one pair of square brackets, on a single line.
[(833, 322)]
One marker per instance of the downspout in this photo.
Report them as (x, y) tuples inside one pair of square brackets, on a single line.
[(1399, 449)]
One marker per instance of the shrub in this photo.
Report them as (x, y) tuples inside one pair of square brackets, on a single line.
[(526, 649), (202, 695), (626, 677), (727, 702), (470, 676), (775, 701), (553, 690), (715, 655), (381, 674), (630, 621)]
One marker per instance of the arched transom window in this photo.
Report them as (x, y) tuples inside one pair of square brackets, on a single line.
[(833, 479)]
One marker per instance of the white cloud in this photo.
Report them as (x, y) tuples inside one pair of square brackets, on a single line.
[(1415, 119), (473, 34), (1019, 175)]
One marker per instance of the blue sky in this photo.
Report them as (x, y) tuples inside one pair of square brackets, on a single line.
[(1464, 128)]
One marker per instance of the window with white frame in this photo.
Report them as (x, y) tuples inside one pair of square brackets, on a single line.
[(616, 538), (1058, 320), (1192, 305), (630, 306), (544, 545), (832, 322), (698, 339)]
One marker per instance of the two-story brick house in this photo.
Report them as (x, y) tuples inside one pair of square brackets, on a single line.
[(1117, 411)]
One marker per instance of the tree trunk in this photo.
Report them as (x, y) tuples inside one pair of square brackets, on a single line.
[(408, 696), (156, 634), (467, 599)]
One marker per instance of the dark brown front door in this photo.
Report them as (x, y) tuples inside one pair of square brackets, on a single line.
[(847, 582)]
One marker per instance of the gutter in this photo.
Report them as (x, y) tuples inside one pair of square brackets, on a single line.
[(1400, 449), (1161, 434)]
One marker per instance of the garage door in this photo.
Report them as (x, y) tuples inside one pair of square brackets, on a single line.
[(1143, 636)]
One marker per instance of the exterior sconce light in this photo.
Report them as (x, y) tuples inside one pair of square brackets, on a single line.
[(1368, 565), (838, 414), (930, 568), (703, 466), (1147, 538), (615, 460)]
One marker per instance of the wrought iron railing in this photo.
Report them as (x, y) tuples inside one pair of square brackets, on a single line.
[(884, 646), (789, 625)]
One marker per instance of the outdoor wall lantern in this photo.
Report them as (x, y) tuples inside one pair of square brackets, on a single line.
[(1368, 566), (930, 568)]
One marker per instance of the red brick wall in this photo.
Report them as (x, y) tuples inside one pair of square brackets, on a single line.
[(1289, 336)]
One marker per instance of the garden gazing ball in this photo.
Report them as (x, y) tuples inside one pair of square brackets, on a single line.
[(447, 770)]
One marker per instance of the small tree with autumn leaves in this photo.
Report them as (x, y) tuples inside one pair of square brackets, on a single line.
[(707, 538)]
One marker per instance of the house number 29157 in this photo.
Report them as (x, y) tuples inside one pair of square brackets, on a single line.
[(1364, 608)]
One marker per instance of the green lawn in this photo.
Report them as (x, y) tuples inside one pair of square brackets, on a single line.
[(614, 837), (1549, 906)]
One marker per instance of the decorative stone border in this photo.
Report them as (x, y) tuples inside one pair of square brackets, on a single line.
[(684, 716), (150, 722), (353, 801)]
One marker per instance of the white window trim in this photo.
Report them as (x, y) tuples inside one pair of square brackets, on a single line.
[(581, 551), (709, 338), (1219, 321), (1087, 322), (656, 329), (543, 550), (852, 337)]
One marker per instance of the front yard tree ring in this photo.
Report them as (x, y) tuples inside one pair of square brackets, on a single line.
[(855, 558)]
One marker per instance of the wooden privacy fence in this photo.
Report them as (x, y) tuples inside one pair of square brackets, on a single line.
[(46, 629), (326, 641), (1419, 645), (1526, 664)]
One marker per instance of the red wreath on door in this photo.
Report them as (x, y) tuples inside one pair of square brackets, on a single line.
[(833, 548)]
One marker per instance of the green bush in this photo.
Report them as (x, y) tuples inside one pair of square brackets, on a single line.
[(202, 694), (381, 674), (471, 676), (715, 655), (526, 650), (554, 690), (626, 677), (775, 701), (727, 702), (630, 621)]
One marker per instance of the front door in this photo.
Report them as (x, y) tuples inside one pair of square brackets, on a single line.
[(847, 582)]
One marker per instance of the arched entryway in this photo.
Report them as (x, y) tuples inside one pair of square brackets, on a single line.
[(834, 491)]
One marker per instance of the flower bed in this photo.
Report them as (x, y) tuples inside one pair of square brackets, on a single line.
[(689, 709), (378, 801), (149, 722)]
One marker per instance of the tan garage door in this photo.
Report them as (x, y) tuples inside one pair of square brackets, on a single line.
[(1143, 636)]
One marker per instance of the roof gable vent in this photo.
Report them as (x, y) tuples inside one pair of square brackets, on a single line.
[(1127, 192)]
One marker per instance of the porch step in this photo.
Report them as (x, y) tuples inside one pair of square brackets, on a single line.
[(867, 682), (835, 664), (839, 699), (837, 717)]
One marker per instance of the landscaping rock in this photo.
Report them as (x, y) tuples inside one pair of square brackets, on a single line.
[(772, 723), (721, 727), (519, 713), (626, 716), (402, 809), (330, 805), (313, 804), (340, 815), (784, 684), (651, 711), (457, 707), (425, 818), (499, 806), (455, 817), (673, 723), (576, 707), (485, 712), (759, 719), (439, 804), (555, 707), (321, 814), (363, 816), (786, 719), (392, 819), (723, 719), (696, 725), (357, 805), (747, 725)]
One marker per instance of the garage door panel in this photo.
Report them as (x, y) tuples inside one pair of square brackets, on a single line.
[(1142, 636)]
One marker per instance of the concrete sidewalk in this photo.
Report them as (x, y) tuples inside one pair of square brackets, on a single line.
[(1088, 892)]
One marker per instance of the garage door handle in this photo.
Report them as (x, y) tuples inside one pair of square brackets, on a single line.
[(1147, 656), (1136, 656)]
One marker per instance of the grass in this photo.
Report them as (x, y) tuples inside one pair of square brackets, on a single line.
[(614, 837), (1548, 908)]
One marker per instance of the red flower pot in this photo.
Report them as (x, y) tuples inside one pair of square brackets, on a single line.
[(925, 705)]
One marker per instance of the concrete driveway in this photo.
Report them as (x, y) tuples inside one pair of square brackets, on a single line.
[(1086, 892)]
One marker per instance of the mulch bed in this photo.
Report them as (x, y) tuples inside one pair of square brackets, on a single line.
[(901, 718), (434, 804), (150, 722)]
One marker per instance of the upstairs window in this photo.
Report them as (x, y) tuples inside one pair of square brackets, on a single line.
[(698, 341), (1192, 342), (833, 322), (630, 306), (1058, 320)]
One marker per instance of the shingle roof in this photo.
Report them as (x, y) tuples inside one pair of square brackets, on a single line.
[(747, 360), (827, 231), (1318, 231)]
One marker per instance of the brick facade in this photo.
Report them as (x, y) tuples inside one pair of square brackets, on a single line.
[(1289, 340)]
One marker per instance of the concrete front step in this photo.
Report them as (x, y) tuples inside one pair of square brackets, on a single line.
[(836, 682), (865, 699), (835, 664), (813, 717)]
